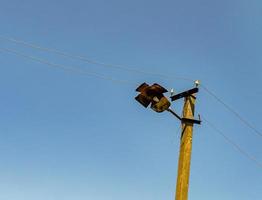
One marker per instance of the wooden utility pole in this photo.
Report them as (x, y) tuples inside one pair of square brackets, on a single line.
[(185, 148)]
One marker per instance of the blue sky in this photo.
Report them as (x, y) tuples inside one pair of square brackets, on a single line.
[(68, 136)]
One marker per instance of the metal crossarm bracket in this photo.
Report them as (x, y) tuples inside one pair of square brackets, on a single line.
[(183, 119), (193, 121), (184, 94)]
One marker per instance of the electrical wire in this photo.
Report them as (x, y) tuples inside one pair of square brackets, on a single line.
[(84, 72), (88, 60), (231, 142), (244, 121), (66, 68), (130, 69)]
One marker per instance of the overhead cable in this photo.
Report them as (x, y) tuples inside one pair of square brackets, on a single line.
[(72, 69), (66, 68), (233, 111), (91, 61), (231, 142), (130, 69)]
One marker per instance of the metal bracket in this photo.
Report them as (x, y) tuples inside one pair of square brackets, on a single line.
[(193, 121), (185, 120), (184, 94)]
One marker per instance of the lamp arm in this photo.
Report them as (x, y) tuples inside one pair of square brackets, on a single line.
[(173, 113)]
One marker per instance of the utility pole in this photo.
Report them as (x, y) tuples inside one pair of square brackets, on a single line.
[(185, 149), (153, 95)]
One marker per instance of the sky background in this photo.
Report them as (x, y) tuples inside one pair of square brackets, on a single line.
[(67, 136)]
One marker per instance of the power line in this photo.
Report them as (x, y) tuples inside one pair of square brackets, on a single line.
[(84, 72), (66, 68), (88, 60), (130, 69), (233, 111), (231, 142)]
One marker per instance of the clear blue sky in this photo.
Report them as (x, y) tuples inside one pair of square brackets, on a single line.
[(65, 136)]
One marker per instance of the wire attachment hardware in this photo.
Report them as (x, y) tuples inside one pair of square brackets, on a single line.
[(184, 95)]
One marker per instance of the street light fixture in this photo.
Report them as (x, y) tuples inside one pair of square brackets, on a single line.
[(153, 95)]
